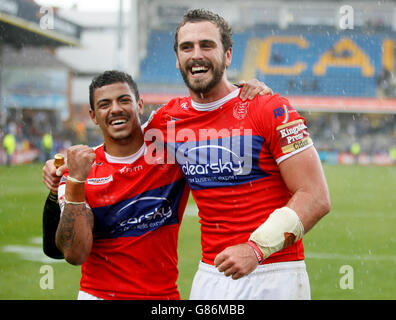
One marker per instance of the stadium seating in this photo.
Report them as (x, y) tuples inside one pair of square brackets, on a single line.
[(300, 61), (160, 64)]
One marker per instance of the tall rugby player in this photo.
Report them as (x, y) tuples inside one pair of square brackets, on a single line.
[(252, 169)]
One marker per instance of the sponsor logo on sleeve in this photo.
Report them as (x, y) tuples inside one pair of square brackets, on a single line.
[(103, 180), (293, 136), (285, 111)]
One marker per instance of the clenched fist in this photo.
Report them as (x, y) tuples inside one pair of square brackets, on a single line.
[(79, 161), (236, 261)]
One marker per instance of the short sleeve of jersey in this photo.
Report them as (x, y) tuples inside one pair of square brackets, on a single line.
[(283, 128)]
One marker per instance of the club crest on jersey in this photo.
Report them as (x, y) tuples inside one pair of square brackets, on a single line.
[(184, 106), (240, 110)]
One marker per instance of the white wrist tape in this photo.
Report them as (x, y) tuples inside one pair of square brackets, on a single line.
[(282, 228)]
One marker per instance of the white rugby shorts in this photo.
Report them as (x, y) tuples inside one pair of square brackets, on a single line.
[(275, 281), (82, 295)]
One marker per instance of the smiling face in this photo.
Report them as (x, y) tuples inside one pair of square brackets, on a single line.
[(200, 56), (116, 111)]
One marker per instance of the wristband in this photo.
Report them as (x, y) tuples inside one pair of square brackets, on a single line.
[(257, 251), (74, 180), (73, 202)]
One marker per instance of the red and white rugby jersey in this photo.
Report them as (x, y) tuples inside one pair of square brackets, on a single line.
[(137, 209), (229, 151)]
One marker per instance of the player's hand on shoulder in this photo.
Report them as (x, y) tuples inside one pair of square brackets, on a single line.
[(236, 261), (252, 88), (79, 161)]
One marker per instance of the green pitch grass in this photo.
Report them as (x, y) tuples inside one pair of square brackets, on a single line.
[(351, 253)]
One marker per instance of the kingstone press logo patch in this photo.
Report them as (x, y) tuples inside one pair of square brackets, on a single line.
[(293, 136)]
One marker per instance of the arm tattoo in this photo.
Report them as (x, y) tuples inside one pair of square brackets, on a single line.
[(71, 216)]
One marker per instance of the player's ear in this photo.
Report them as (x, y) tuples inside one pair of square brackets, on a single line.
[(228, 56), (177, 63), (93, 116), (140, 107)]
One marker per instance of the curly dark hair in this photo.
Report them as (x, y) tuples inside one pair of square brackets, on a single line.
[(110, 77), (199, 15)]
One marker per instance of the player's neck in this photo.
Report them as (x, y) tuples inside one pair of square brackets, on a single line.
[(218, 92), (124, 147)]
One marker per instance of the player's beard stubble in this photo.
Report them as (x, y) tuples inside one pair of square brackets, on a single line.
[(202, 86)]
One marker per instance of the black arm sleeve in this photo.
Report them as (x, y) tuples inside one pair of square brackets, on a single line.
[(51, 217)]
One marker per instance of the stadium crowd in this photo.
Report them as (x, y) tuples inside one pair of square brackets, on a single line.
[(375, 133)]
